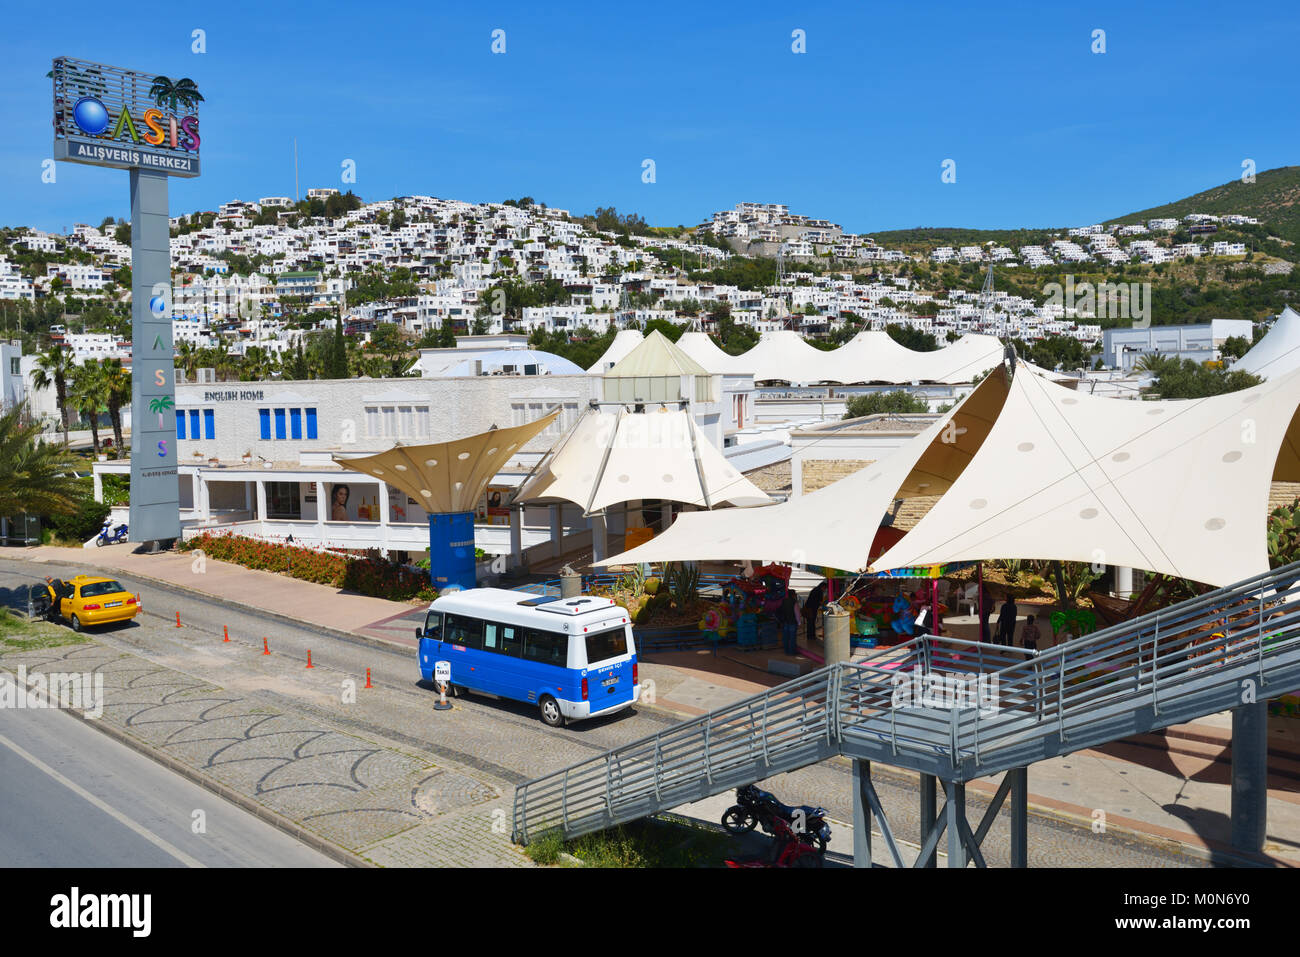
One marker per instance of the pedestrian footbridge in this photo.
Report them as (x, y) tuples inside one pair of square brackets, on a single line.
[(955, 711)]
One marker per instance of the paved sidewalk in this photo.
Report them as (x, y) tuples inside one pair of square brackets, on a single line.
[(380, 804), (1169, 787)]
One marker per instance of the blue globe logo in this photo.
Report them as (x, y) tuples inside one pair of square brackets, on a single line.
[(157, 305), (91, 115)]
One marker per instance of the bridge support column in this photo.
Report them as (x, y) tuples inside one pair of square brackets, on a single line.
[(861, 814), (1249, 776), (929, 811), (955, 794), (1019, 816)]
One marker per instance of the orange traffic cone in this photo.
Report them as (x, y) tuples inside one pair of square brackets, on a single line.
[(309, 658), (178, 619), (225, 633), (265, 649), (368, 684)]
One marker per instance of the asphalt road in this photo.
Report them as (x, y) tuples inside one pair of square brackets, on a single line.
[(73, 797), (503, 739)]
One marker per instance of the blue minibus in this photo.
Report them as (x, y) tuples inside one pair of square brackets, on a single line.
[(573, 658)]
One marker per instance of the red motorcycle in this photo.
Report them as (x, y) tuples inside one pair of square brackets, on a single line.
[(788, 850)]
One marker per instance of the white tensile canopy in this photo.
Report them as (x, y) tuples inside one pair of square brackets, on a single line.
[(1178, 486), (701, 347), (835, 525), (1031, 469), (870, 356), (613, 457), (448, 476), (625, 340), (785, 356), (1278, 352)]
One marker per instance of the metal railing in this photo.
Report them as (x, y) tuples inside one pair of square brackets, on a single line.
[(1164, 668)]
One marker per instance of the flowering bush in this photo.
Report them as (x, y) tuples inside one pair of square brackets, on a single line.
[(369, 575)]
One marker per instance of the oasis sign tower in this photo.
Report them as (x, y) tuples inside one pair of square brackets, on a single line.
[(149, 125)]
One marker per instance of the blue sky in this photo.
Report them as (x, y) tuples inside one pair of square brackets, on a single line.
[(1043, 131)]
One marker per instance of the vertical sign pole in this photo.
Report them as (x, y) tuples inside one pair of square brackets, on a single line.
[(155, 492)]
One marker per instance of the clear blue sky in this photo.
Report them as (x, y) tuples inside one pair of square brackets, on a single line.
[(1044, 132)]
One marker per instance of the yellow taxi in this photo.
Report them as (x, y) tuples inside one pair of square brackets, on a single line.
[(90, 600)]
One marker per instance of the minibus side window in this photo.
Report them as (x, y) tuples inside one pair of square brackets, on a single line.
[(546, 647), (463, 630), (433, 626), (491, 637), (512, 640)]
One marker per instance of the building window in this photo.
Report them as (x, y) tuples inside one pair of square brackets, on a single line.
[(295, 423), (264, 418), (180, 424), (194, 423), (209, 424), (279, 423), (311, 423)]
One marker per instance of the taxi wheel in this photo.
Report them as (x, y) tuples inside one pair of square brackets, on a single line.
[(76, 623), (551, 713)]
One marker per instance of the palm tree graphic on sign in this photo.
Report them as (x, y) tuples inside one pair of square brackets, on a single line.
[(161, 405), (184, 92)]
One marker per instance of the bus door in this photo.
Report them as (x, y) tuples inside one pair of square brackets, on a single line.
[(462, 645), (611, 668), (430, 644)]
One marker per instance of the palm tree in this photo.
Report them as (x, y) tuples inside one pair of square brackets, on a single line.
[(183, 92), (53, 369), (35, 477), (118, 381), (187, 357), (187, 92), (163, 91), (90, 395), (160, 405)]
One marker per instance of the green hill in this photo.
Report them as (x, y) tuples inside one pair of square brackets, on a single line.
[(1273, 199)]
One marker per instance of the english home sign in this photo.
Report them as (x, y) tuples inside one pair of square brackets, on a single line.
[(147, 124)]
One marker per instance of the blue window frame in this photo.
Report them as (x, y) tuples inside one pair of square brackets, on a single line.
[(311, 423), (264, 419), (209, 424), (279, 423), (295, 423), (194, 423), (180, 424)]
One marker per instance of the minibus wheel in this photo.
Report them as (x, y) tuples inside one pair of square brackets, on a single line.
[(551, 713)]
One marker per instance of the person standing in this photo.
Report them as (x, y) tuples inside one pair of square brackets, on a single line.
[(812, 608), (1029, 637), (788, 616), (1007, 621)]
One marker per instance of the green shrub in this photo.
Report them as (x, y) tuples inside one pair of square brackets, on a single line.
[(82, 524)]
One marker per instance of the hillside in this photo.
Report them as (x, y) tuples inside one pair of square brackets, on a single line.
[(1273, 199)]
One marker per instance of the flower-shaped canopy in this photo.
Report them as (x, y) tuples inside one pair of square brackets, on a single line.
[(449, 476)]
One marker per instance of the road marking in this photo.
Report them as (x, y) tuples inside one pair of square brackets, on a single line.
[(121, 818)]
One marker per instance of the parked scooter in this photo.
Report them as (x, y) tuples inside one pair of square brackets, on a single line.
[(788, 850), (111, 538), (756, 807)]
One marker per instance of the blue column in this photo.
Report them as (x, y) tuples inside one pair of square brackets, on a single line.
[(451, 550)]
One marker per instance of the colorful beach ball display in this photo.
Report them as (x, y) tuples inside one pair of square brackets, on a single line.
[(91, 115)]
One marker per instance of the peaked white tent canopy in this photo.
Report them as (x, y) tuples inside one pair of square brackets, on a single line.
[(657, 371), (625, 340), (1278, 352), (613, 457), (701, 347), (835, 525), (1178, 486), (870, 356)]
